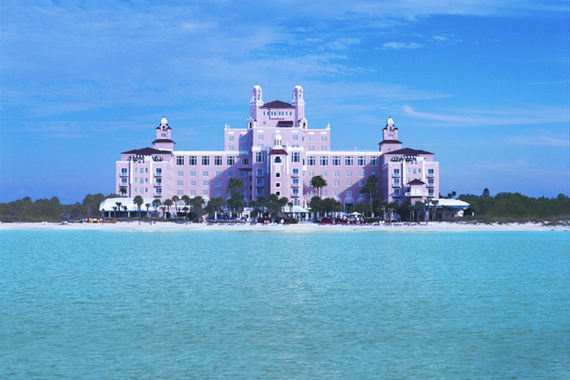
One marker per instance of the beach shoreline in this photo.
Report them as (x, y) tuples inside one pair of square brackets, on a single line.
[(301, 227)]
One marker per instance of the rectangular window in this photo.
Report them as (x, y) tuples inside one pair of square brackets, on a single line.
[(217, 160), (295, 172), (205, 183), (396, 182), (373, 160), (295, 157), (336, 183), (430, 192), (336, 161), (323, 174), (397, 192), (231, 138), (259, 181), (180, 173), (361, 160), (180, 192), (349, 192), (295, 191), (348, 183), (259, 191), (277, 184), (336, 173), (230, 173), (192, 192), (205, 192), (349, 174), (180, 183), (348, 160), (193, 182), (311, 147), (158, 191), (205, 173), (243, 174), (218, 193), (324, 160), (396, 172), (123, 171), (231, 147), (323, 147), (205, 160), (179, 160), (192, 160), (218, 183), (259, 172), (310, 138), (218, 173), (260, 136), (430, 172), (231, 160), (324, 193), (311, 160), (295, 136), (361, 173), (361, 183), (430, 182), (123, 181), (323, 138), (158, 171), (258, 156), (193, 174)]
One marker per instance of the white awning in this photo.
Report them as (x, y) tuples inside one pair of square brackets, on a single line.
[(454, 203), (109, 203), (295, 209)]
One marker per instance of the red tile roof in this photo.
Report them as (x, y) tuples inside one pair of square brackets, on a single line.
[(278, 151), (277, 104), (146, 151)]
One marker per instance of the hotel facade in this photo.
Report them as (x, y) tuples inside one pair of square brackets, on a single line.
[(277, 153)]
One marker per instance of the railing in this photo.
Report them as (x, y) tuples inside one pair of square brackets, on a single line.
[(396, 175), (415, 194), (124, 174), (431, 175), (158, 174)]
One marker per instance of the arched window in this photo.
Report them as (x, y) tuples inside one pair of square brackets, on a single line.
[(277, 160)]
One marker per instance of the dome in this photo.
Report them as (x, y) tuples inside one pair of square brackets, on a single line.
[(163, 120)]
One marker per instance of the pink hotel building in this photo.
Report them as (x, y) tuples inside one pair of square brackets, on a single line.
[(276, 153)]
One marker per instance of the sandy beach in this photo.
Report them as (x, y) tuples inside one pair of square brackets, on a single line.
[(301, 227)]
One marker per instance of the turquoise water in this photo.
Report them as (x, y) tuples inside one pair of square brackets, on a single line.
[(97, 304)]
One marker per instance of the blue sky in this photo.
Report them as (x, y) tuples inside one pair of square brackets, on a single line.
[(483, 84)]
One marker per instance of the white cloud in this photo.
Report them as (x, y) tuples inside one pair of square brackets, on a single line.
[(401, 45)]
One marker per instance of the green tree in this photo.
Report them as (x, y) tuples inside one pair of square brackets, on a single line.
[(91, 203), (318, 183), (214, 206), (168, 203), (138, 200)]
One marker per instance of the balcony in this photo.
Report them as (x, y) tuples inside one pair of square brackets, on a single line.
[(158, 184), (158, 174), (395, 185), (396, 175), (124, 174), (430, 175), (415, 193)]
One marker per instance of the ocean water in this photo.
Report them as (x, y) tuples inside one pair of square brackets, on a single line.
[(99, 304)]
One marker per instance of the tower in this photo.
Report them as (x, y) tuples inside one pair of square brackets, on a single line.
[(163, 136), (255, 102), (298, 102), (390, 140)]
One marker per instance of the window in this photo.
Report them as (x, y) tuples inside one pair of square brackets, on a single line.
[(146, 170), (158, 171), (311, 173), (348, 183), (348, 192), (159, 181), (311, 147), (231, 147), (361, 173), (323, 174), (430, 192), (349, 173), (310, 138), (336, 173), (295, 136), (397, 192), (430, 172), (193, 182), (158, 191), (430, 182), (396, 172), (180, 183), (259, 191), (230, 173), (205, 183), (218, 173), (348, 160), (260, 136), (323, 138), (205, 173), (259, 181), (361, 160), (323, 147), (295, 172), (336, 183), (324, 160), (277, 160), (414, 170), (218, 183), (205, 160), (323, 193), (123, 171), (296, 181), (180, 173), (192, 192), (179, 160), (218, 193), (336, 192), (180, 192), (373, 160), (243, 174), (259, 172), (295, 157), (123, 181), (192, 160), (295, 191), (258, 156), (361, 183), (245, 160), (336, 161), (278, 193), (277, 184), (311, 160), (277, 175), (396, 182), (217, 160), (231, 138), (205, 192), (231, 160), (193, 173)]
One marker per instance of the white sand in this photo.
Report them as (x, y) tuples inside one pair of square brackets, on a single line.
[(301, 227)]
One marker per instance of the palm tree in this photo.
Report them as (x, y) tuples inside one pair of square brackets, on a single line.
[(186, 199), (138, 200), (115, 209), (123, 190), (147, 205), (318, 183), (118, 207), (197, 207), (168, 203), (156, 203)]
